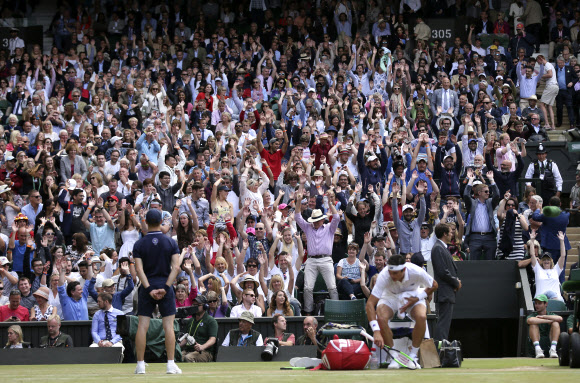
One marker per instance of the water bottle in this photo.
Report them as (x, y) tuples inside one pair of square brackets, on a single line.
[(374, 363)]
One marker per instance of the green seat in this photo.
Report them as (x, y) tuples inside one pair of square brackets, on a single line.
[(555, 305), (572, 285), (346, 312)]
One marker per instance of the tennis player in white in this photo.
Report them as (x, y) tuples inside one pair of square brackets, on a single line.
[(397, 291)]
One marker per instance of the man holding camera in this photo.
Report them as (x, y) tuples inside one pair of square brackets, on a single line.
[(284, 338), (198, 343)]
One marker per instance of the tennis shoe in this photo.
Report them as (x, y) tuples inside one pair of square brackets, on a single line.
[(393, 365), (539, 353), (553, 353), (173, 369)]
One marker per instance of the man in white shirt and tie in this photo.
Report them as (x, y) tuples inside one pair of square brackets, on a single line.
[(549, 174)]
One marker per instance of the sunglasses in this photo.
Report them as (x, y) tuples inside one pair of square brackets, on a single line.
[(212, 301), (250, 295), (510, 205), (252, 265)]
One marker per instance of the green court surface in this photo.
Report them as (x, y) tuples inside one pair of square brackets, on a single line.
[(472, 370)]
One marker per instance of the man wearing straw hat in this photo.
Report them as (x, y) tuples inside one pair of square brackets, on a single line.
[(319, 238)]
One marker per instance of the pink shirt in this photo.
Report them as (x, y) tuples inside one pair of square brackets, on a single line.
[(509, 155)]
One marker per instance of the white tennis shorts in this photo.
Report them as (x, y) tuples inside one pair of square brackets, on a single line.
[(396, 301)]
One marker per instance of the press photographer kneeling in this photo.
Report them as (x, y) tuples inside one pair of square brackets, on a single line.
[(198, 343)]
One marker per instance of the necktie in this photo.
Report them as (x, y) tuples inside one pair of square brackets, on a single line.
[(76, 106), (17, 108), (108, 327), (445, 101)]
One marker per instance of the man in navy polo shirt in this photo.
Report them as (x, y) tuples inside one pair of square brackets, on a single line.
[(157, 260)]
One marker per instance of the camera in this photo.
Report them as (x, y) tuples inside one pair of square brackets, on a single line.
[(186, 312), (190, 339), (270, 350)]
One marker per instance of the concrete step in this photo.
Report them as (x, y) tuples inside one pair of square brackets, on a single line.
[(573, 236), (47, 42)]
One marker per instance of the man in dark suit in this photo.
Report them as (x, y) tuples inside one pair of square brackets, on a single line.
[(130, 103), (557, 36), (566, 79), (100, 65), (489, 112), (484, 25), (445, 273)]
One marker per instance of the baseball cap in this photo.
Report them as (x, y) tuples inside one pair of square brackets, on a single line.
[(282, 206), (153, 216), (201, 299), (9, 158), (421, 157), (541, 298), (372, 157), (108, 283), (407, 206), (4, 261), (113, 197), (311, 90), (520, 26)]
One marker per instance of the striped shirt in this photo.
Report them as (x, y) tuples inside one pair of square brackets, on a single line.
[(528, 85), (481, 222)]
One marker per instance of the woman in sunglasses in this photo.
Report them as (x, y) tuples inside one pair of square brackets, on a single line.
[(512, 226)]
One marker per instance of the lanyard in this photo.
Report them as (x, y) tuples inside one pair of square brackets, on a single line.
[(196, 327)]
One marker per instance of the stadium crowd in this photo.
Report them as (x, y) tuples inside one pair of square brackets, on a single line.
[(282, 142)]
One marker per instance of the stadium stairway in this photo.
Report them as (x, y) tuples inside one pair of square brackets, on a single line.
[(42, 15), (573, 234), (559, 134)]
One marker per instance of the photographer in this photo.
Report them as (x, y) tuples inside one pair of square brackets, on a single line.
[(284, 338), (202, 329)]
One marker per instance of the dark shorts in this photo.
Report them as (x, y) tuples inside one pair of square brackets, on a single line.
[(147, 304)]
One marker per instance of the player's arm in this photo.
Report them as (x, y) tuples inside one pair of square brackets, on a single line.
[(141, 274), (430, 290), (372, 317)]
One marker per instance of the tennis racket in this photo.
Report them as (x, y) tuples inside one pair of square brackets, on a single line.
[(400, 357)]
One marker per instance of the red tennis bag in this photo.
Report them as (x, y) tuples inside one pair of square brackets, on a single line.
[(345, 354)]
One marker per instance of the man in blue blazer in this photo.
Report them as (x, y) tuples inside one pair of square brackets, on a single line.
[(554, 220)]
